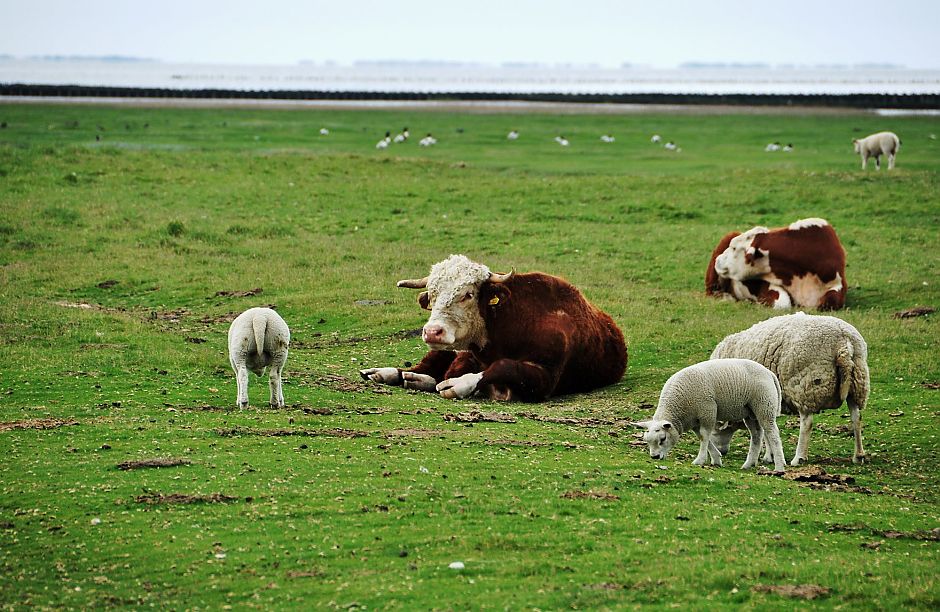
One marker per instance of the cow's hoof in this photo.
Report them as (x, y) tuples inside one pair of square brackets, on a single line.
[(421, 382)]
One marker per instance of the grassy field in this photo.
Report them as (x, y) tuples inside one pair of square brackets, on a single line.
[(130, 237)]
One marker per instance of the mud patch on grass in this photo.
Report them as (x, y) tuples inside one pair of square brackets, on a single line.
[(911, 313), (37, 424), (337, 382), (247, 293), (931, 535), (796, 591), (474, 416), (815, 477), (336, 432), (157, 462), (154, 499), (578, 494)]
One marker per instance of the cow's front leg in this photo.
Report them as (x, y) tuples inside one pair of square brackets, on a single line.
[(527, 381), (425, 375), (421, 382), (460, 387)]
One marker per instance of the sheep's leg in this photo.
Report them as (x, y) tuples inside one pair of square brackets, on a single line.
[(877, 162), (864, 161), (890, 161), (768, 454), (702, 450), (757, 433), (714, 452), (775, 445), (806, 427), (859, 456), (274, 385), (241, 379)]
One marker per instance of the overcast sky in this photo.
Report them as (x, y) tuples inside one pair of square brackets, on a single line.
[(659, 33)]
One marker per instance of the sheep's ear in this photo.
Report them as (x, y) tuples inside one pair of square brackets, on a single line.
[(641, 424)]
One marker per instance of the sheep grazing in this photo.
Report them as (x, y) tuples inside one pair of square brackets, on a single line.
[(788, 148), (258, 338), (324, 132), (774, 146), (876, 145), (428, 141), (821, 362), (607, 138), (698, 397), (513, 135), (671, 146), (656, 138), (561, 140)]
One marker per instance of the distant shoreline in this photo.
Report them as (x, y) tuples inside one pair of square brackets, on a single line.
[(479, 101)]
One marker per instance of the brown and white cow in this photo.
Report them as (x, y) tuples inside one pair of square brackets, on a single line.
[(800, 265), (510, 336)]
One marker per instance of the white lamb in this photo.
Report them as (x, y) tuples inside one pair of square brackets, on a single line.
[(821, 362), (876, 145), (258, 338), (698, 397)]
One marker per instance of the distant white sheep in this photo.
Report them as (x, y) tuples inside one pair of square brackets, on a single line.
[(607, 138), (513, 135), (383, 144), (258, 338), (773, 146), (324, 132), (428, 141), (561, 140), (698, 397), (656, 138), (821, 362), (876, 145)]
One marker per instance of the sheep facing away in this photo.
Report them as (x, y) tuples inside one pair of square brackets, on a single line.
[(698, 397), (876, 145), (258, 338), (821, 362)]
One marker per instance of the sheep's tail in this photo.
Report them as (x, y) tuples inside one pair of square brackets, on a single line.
[(258, 325), (845, 368)]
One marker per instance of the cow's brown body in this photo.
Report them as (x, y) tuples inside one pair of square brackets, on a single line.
[(801, 265), (544, 339)]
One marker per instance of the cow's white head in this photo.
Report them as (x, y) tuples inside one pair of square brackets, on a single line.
[(453, 297), (660, 437), (742, 260)]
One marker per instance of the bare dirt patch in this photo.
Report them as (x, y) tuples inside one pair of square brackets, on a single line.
[(415, 433), (797, 591), (816, 477), (479, 417), (910, 313), (580, 421), (336, 432), (154, 499), (37, 424), (578, 494), (158, 462), (515, 443), (247, 293)]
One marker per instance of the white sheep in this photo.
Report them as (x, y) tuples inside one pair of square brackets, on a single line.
[(258, 338), (513, 135), (821, 362), (698, 397), (876, 145), (656, 138)]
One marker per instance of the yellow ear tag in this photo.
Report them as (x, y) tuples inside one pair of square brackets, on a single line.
[(494, 301)]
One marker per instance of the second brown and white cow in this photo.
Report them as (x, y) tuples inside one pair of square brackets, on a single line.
[(509, 336), (801, 265)]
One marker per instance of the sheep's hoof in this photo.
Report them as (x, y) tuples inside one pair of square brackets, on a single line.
[(860, 459), (243, 404), (797, 461)]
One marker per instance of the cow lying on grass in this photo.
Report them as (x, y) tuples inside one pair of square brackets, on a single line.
[(799, 265), (510, 336)]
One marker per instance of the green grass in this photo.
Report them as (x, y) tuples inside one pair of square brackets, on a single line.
[(382, 493)]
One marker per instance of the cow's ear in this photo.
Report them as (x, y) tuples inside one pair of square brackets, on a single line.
[(425, 300), (757, 254), (496, 295)]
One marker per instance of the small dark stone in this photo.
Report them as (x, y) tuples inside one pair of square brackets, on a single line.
[(403, 553)]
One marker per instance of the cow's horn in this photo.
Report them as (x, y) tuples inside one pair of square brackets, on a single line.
[(496, 277), (415, 283)]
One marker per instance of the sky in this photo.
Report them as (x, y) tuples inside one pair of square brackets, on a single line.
[(655, 33)]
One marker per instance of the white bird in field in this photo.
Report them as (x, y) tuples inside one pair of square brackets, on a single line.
[(403, 136), (774, 146), (383, 144), (788, 148), (607, 138), (670, 146), (513, 135), (561, 140), (324, 132), (428, 140), (656, 138)]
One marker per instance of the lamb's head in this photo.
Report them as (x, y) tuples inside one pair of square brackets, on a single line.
[(660, 437), (453, 296), (858, 145), (742, 260)]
